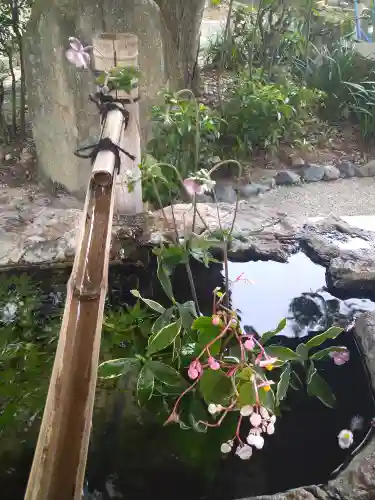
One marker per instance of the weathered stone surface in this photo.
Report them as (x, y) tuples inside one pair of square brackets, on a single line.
[(225, 193), (353, 271), (267, 181), (368, 170), (287, 177), (253, 189), (61, 114), (258, 233), (346, 168), (331, 173), (313, 173)]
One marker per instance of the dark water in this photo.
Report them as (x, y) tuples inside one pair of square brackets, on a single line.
[(130, 459), (296, 290)]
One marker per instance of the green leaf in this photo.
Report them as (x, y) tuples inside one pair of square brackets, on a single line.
[(268, 335), (245, 374), (197, 414), (282, 353), (326, 352), (206, 337), (151, 303), (116, 367), (319, 388), (187, 313), (207, 333), (163, 338), (166, 374), (215, 386), (247, 395), (164, 279), (163, 320), (282, 386), (203, 323), (267, 398), (302, 352), (295, 381), (145, 385), (331, 333)]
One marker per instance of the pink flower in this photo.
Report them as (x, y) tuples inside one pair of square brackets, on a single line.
[(255, 420), (213, 363), (340, 357), (195, 369), (249, 344), (267, 362), (193, 187), (77, 54), (215, 320)]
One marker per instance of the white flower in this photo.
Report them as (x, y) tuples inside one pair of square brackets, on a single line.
[(246, 411), (255, 420), (244, 452), (273, 419), (264, 413), (251, 439), (9, 312), (345, 439), (259, 442), (226, 447), (213, 409), (270, 429)]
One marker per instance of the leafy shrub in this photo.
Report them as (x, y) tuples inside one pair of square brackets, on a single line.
[(260, 115), (185, 134), (257, 39), (347, 80)]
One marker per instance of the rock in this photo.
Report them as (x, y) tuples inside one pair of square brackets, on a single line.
[(297, 161), (249, 190), (331, 173), (319, 249), (286, 177), (347, 169), (225, 193), (353, 271), (267, 181), (313, 173), (62, 116), (367, 170), (252, 189)]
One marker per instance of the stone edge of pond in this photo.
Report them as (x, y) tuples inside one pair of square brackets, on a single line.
[(260, 233), (357, 481)]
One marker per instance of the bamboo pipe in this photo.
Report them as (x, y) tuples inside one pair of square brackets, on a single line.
[(58, 468)]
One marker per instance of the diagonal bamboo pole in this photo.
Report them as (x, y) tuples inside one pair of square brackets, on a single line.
[(58, 468), (59, 463)]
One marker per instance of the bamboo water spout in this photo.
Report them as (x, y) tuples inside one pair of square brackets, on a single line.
[(60, 458), (59, 463)]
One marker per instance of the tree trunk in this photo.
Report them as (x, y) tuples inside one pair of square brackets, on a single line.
[(183, 20), (15, 9), (14, 92)]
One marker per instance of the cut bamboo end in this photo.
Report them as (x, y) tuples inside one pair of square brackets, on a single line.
[(102, 178)]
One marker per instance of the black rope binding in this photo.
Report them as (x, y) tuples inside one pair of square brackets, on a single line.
[(106, 103)]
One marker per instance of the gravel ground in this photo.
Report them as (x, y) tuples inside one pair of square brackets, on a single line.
[(344, 197)]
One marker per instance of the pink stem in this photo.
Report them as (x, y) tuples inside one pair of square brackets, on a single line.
[(221, 334), (238, 430), (241, 347), (183, 394)]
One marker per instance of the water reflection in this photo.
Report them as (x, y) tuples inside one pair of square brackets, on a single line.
[(295, 290)]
